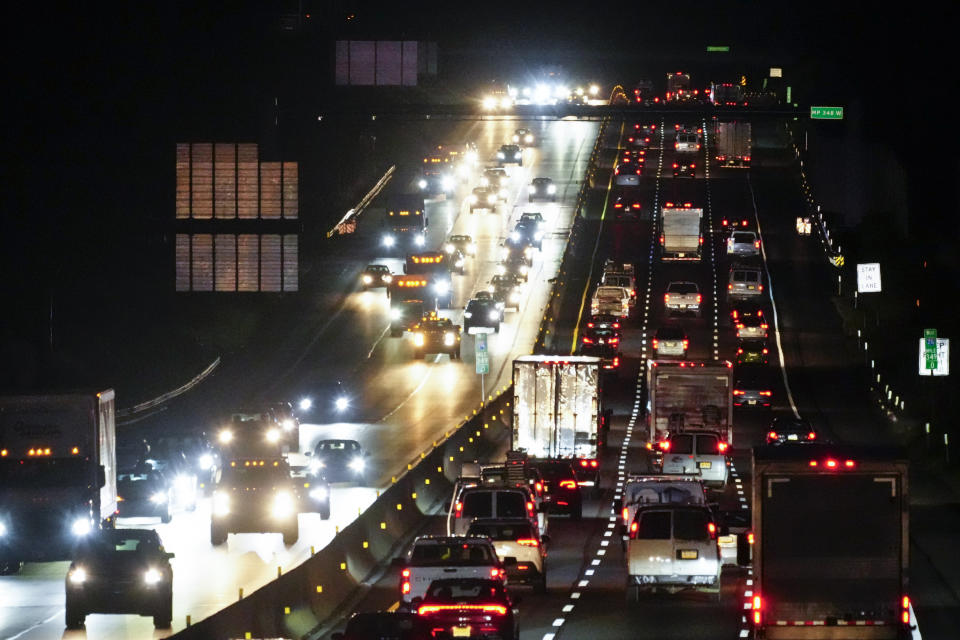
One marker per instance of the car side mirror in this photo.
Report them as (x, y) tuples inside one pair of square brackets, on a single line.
[(509, 561), (308, 453), (169, 556), (398, 562)]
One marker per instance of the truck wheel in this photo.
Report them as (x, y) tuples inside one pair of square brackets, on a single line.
[(163, 617), (74, 617), (325, 512), (290, 536), (10, 568), (218, 535)]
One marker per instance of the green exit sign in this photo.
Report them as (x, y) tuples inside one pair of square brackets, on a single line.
[(718, 49), (826, 113)]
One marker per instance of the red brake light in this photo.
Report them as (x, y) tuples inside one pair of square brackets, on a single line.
[(539, 487), (724, 223), (699, 297), (771, 436), (458, 509), (664, 445), (812, 435), (405, 587), (905, 606), (757, 608), (656, 343), (587, 340), (583, 463), (712, 530), (737, 392), (616, 325), (616, 361), (750, 537), (633, 530), (589, 325), (722, 447), (405, 573), (686, 343), (831, 464), (528, 542), (568, 484), (624, 513), (495, 572), (530, 507), (756, 244), (849, 464)]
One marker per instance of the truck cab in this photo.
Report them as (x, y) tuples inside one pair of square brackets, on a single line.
[(434, 334), (255, 496)]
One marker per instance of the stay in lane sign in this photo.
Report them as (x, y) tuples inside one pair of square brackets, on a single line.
[(868, 278)]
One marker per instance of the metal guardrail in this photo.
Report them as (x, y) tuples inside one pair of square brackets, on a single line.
[(348, 223), (169, 395)]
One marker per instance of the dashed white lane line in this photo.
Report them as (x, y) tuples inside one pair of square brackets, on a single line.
[(575, 595), (558, 622), (589, 572), (567, 608)]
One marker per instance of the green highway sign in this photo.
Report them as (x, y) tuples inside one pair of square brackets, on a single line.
[(826, 113), (483, 356), (930, 348), (718, 49)]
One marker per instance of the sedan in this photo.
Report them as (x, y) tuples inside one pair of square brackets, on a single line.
[(743, 309), (339, 460), (375, 275), (483, 198), (524, 137), (751, 327), (627, 174), (752, 351), (790, 429), (482, 315), (626, 203), (684, 168), (469, 608), (510, 154), (670, 342), (743, 243), (541, 189), (751, 389)]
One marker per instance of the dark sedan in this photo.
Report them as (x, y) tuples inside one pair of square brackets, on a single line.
[(339, 461)]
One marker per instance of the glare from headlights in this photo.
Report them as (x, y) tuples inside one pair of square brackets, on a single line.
[(501, 269), (422, 183), (420, 240), (320, 493), (515, 296), (517, 155), (448, 339), (528, 138), (501, 155), (492, 198), (288, 424), (448, 248), (516, 138), (506, 102), (594, 89), (3, 529), (152, 576), (226, 436), (484, 181), (306, 404), (357, 464), (471, 249), (159, 497), (492, 289), (221, 503), (466, 314), (342, 403), (388, 241), (273, 435), (183, 482), (442, 287), (283, 505), (418, 339), (551, 189), (489, 103), (515, 236), (81, 527), (472, 199), (531, 189), (78, 576), (395, 314), (367, 279), (315, 466), (387, 278), (524, 269), (205, 462), (538, 235), (493, 315), (446, 183)]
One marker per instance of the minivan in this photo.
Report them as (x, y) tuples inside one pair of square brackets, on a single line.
[(745, 282)]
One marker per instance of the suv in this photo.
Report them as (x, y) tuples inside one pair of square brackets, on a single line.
[(434, 334), (375, 275), (468, 608), (490, 502), (542, 189), (672, 548), (744, 282), (743, 243), (696, 452), (560, 486), (434, 557), (482, 315), (510, 154), (670, 342), (751, 389), (519, 545), (120, 571)]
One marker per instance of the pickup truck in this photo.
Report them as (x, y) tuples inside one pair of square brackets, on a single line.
[(682, 297), (434, 557), (611, 300)]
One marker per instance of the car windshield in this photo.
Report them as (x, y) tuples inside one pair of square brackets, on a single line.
[(682, 443), (653, 525), (746, 276), (554, 471), (127, 542), (265, 476), (690, 525), (338, 446), (497, 531), (670, 333), (609, 292), (435, 554), (510, 504)]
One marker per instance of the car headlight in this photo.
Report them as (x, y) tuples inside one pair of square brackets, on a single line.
[(442, 287), (538, 235), (500, 155), (81, 527), (357, 464), (446, 183), (273, 435), (422, 183), (283, 505), (484, 181), (225, 436), (420, 240), (551, 189), (319, 493), (183, 483), (515, 236), (515, 296), (459, 263), (418, 339), (489, 103), (501, 269), (472, 249), (472, 199), (506, 102), (387, 278), (531, 189), (388, 241), (466, 314), (3, 529), (395, 314), (316, 465), (221, 503), (288, 424), (528, 138), (493, 315), (492, 289), (492, 198), (448, 248), (205, 462), (159, 497), (448, 339), (516, 138), (524, 269), (517, 155), (77, 576), (152, 576), (367, 279)]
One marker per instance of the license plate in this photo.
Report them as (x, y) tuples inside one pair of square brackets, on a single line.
[(689, 554), (461, 632), (751, 402), (792, 436), (750, 287), (705, 465), (683, 306)]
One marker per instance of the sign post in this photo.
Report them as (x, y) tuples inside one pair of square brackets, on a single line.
[(483, 362)]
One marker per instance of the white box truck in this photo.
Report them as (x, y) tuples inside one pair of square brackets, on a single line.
[(681, 235), (689, 395), (557, 411), (732, 143)]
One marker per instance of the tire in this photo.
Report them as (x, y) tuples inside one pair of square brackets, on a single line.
[(74, 618), (163, 617), (218, 535), (290, 536)]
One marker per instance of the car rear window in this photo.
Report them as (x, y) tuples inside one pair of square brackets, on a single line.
[(682, 287), (690, 525), (609, 292), (653, 525), (669, 333), (746, 276), (478, 504), (510, 504), (681, 444), (501, 531), (555, 471), (436, 555), (707, 444), (743, 237)]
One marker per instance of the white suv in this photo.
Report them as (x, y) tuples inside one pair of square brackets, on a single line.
[(673, 548), (434, 557), (520, 548)]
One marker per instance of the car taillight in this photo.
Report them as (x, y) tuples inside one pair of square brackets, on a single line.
[(496, 572), (616, 325), (750, 537), (529, 507), (729, 287), (756, 244), (674, 165), (766, 351), (771, 436), (666, 297), (812, 435), (458, 509), (528, 542), (686, 343), (757, 607), (568, 484), (616, 361), (763, 325), (766, 393), (664, 445), (712, 530), (760, 287), (613, 340), (661, 238), (633, 530), (656, 343), (587, 340), (739, 350), (724, 223), (722, 447), (624, 514), (905, 610), (539, 487), (737, 392), (699, 297), (618, 205)]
